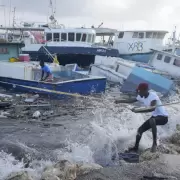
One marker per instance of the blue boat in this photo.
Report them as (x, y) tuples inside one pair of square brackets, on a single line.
[(61, 89), (157, 82), (71, 46), (25, 76), (143, 58)]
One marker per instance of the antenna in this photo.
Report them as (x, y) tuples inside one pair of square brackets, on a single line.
[(52, 18), (51, 6), (3, 6), (174, 41), (55, 8), (14, 13), (100, 25), (9, 12)]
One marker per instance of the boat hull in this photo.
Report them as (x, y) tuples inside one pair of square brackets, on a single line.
[(83, 56), (60, 90), (143, 58), (156, 82)]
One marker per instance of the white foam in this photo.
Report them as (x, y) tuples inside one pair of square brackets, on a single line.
[(112, 129)]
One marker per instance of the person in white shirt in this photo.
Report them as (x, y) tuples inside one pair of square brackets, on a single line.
[(159, 115)]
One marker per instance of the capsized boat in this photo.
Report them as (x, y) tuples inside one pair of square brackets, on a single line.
[(130, 74)]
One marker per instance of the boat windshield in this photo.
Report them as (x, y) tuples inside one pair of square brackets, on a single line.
[(70, 37)]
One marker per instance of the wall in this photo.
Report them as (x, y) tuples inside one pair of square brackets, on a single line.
[(8, 50)]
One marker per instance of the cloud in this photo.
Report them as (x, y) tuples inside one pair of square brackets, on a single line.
[(63, 8), (121, 14)]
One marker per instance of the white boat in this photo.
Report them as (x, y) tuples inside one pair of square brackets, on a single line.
[(161, 62), (134, 45), (130, 74), (168, 62)]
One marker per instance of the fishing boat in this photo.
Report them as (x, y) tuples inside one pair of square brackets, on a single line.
[(24, 75), (167, 62), (129, 74), (161, 69), (134, 45), (70, 45)]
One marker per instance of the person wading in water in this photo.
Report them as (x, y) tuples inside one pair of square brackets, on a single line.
[(159, 115)]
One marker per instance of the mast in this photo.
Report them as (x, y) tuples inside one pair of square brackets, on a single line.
[(3, 6), (52, 18), (14, 13), (174, 41), (9, 12)]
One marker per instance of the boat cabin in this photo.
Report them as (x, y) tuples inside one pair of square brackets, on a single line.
[(165, 61), (75, 35), (135, 42), (105, 36)]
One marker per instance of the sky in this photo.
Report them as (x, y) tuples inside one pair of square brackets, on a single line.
[(117, 14)]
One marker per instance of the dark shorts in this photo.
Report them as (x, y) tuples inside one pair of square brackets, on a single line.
[(160, 120)]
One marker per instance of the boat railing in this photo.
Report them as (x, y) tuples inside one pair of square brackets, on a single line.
[(48, 52)]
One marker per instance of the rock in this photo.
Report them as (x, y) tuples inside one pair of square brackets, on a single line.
[(31, 99), (148, 156), (64, 170), (36, 114), (168, 149), (46, 113), (158, 175), (87, 168), (67, 169), (23, 175), (175, 138), (167, 166), (178, 127), (174, 148), (49, 172), (50, 177)]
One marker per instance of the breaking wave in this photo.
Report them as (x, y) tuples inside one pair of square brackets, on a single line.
[(110, 129)]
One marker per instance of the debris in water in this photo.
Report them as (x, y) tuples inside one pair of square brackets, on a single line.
[(36, 114), (46, 113), (5, 96), (31, 99)]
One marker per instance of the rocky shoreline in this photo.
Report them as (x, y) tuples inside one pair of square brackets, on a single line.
[(164, 164)]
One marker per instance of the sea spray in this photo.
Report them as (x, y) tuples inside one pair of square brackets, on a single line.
[(110, 129)]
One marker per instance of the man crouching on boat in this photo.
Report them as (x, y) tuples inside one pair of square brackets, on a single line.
[(159, 114), (45, 69)]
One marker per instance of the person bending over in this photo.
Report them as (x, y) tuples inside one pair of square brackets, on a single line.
[(45, 69), (159, 115)]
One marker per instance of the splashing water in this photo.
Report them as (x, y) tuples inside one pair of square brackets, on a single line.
[(111, 130)]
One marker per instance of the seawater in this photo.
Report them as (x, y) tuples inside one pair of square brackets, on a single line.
[(98, 133)]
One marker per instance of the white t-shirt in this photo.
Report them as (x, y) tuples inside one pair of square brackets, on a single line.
[(159, 111)]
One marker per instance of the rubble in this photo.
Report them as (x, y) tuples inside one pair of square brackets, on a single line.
[(31, 99), (23, 175), (36, 114)]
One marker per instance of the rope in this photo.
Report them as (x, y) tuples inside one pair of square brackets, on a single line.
[(86, 97), (151, 107), (52, 91)]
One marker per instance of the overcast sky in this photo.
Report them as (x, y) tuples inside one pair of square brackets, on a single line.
[(119, 14)]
